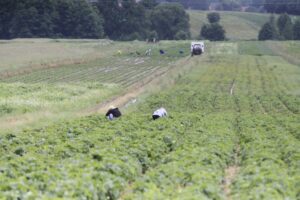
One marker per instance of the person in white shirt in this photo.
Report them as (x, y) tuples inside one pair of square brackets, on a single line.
[(161, 112)]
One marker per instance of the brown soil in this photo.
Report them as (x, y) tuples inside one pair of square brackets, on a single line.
[(230, 174)]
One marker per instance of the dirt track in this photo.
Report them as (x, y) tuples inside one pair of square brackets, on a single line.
[(137, 89)]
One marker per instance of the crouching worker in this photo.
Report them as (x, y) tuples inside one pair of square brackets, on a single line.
[(159, 113), (113, 112)]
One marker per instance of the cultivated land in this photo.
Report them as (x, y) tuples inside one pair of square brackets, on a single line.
[(42, 80), (232, 133)]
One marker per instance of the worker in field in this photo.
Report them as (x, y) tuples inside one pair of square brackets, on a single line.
[(162, 52), (148, 52), (161, 112), (119, 52), (113, 113)]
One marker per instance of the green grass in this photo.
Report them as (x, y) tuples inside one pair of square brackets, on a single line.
[(238, 26), (183, 156)]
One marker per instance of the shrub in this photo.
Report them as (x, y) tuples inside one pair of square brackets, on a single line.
[(213, 32), (213, 17)]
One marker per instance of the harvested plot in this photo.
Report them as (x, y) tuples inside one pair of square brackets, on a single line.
[(187, 155), (49, 91)]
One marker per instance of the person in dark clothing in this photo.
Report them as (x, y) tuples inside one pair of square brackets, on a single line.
[(113, 112), (161, 51)]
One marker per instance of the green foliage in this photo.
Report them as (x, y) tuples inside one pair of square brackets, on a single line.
[(182, 156), (296, 30), (230, 5), (285, 27), (193, 4), (182, 35), (50, 18), (283, 6), (213, 17), (267, 32), (213, 32), (149, 4), (168, 20)]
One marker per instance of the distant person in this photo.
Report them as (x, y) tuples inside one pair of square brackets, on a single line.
[(112, 113), (119, 52), (161, 112), (161, 51), (148, 52)]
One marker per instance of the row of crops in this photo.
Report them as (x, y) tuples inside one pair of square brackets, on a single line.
[(71, 88), (184, 156), (124, 69)]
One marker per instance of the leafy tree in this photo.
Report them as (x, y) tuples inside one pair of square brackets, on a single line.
[(112, 15), (282, 22), (168, 19), (77, 19), (283, 6), (134, 20), (149, 4), (125, 20), (49, 18), (285, 27), (296, 30), (213, 32), (267, 32), (230, 4), (7, 11), (193, 4), (181, 35), (213, 17)]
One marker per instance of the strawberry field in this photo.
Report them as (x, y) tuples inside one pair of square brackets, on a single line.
[(232, 133)]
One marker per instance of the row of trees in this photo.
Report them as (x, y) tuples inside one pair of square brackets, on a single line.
[(192, 4), (49, 18), (281, 29), (283, 6), (145, 19), (116, 19)]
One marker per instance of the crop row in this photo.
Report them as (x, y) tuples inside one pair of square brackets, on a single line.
[(184, 156), (111, 72)]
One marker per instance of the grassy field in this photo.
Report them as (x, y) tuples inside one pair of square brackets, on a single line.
[(73, 75), (232, 133), (238, 26)]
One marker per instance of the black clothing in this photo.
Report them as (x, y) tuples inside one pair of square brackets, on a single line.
[(115, 112), (154, 117)]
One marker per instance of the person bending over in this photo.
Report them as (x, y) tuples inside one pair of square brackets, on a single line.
[(113, 112), (161, 112)]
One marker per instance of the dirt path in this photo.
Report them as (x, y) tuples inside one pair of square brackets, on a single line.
[(232, 87), (132, 93), (162, 77), (230, 174)]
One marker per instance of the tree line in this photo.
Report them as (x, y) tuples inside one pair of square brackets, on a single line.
[(115, 19), (282, 28), (271, 6)]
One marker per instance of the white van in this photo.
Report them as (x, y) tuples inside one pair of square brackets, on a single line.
[(197, 48)]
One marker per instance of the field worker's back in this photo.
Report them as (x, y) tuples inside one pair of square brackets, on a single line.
[(159, 113)]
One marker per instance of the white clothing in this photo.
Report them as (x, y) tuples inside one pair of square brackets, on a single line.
[(160, 112)]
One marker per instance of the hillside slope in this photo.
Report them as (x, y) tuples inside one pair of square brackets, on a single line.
[(238, 25)]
